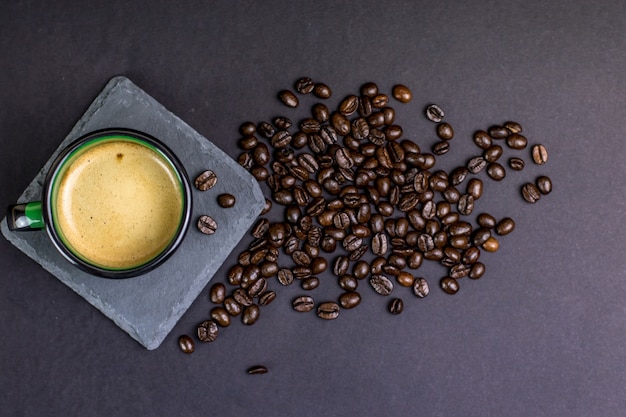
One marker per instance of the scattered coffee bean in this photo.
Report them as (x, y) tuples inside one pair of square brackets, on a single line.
[(445, 131), (217, 293), (402, 93), (482, 139), (186, 344), (288, 98), (220, 316), (540, 154), (350, 299), (396, 306), (304, 85), (434, 113), (505, 226), (322, 91), (544, 184), (513, 127), (498, 132), (250, 314), (207, 225), (516, 141), (420, 287), (257, 370), (449, 285), (516, 164), (226, 200), (206, 180), (490, 245), (381, 284), (207, 331), (328, 310), (495, 171), (531, 193), (303, 304)]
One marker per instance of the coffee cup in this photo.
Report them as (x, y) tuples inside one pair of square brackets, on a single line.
[(116, 203)]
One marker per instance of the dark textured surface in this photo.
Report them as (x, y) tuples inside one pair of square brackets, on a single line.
[(543, 333), (149, 306)]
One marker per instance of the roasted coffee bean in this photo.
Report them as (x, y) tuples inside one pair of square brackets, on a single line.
[(376, 119), (226, 200), (360, 128), (445, 131), (250, 314), (303, 304), (261, 154), (505, 226), (341, 265), (234, 274), (459, 271), (361, 270), (451, 256), (441, 148), (317, 144), (466, 204), (304, 85), (540, 154), (495, 171), (247, 129), (476, 164), (460, 228), (281, 139), (491, 244), (369, 89), (206, 180), (348, 282), (260, 173), (350, 299), (245, 160), (486, 220), (406, 279), (220, 316), (277, 234), (544, 184), (257, 369), (381, 284), (207, 331), (351, 243), (380, 100), (250, 274), (458, 175), (492, 153), (282, 123), (498, 132), (531, 193), (516, 164), (349, 105), (322, 91), (396, 306), (380, 244), (285, 276), (477, 270), (268, 268), (482, 139), (393, 132), (402, 93), (328, 310), (449, 285), (266, 298), (377, 137), (288, 98), (516, 141), (186, 344), (459, 242), (513, 127), (434, 113), (475, 188), (217, 293), (481, 235), (320, 112), (300, 258), (266, 130), (470, 255), (207, 225), (310, 283), (420, 287), (232, 306), (248, 142), (257, 287)]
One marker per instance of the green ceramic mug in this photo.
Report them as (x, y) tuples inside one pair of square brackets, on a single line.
[(116, 203)]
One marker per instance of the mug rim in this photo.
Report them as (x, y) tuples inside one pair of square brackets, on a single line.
[(172, 246)]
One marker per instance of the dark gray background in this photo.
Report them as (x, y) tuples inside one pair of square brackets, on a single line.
[(543, 333)]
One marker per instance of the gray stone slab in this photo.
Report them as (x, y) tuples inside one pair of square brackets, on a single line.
[(148, 307)]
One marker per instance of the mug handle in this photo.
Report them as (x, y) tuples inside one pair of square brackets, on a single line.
[(26, 216)]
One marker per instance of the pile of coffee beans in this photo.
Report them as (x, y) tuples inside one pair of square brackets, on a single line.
[(361, 200)]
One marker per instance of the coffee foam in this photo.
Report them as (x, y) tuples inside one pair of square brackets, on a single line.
[(118, 205)]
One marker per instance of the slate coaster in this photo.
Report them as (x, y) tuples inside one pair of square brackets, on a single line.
[(149, 306)]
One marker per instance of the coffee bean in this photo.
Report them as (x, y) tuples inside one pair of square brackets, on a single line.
[(350, 299), (482, 139), (266, 298), (248, 142), (320, 112), (458, 175), (303, 304), (281, 139), (288, 98), (476, 164), (516, 164), (304, 85), (207, 225), (441, 148), (226, 200), (328, 310), (348, 282), (396, 306), (206, 180), (477, 270), (492, 153), (250, 314), (257, 370), (342, 263), (420, 287), (207, 331), (449, 285), (505, 226), (349, 105), (261, 154), (379, 244), (459, 271), (247, 129), (402, 93), (266, 130), (481, 235), (285, 276), (466, 204), (322, 91), (513, 127), (498, 132), (186, 344), (531, 193), (486, 220), (257, 287), (434, 113), (217, 293), (490, 245), (310, 283), (445, 131), (351, 243), (516, 141), (220, 316), (406, 279), (495, 171), (282, 123), (475, 188), (544, 184), (540, 154), (381, 284), (232, 306)]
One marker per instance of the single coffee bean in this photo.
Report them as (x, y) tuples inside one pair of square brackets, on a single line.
[(220, 316), (348, 282), (420, 287), (458, 175), (540, 154), (380, 100), (393, 132), (320, 112), (322, 91), (226, 200), (406, 279), (459, 271), (513, 127), (207, 331), (261, 154), (396, 306), (449, 285), (482, 139), (493, 153), (303, 304), (266, 298), (481, 235), (267, 207), (281, 139), (257, 370), (288, 98), (476, 164), (248, 142), (282, 123), (356, 254), (486, 220), (490, 245), (341, 265), (505, 226), (441, 148), (247, 129), (434, 113), (402, 93), (495, 171), (369, 89), (349, 105), (531, 193), (445, 131), (304, 85), (266, 130), (328, 310), (350, 299), (544, 184), (381, 284), (516, 141), (498, 132), (477, 270), (217, 293), (361, 269), (310, 283), (206, 180), (207, 225), (250, 314), (257, 287), (466, 204), (470, 255), (379, 244), (186, 344), (475, 188), (285, 276), (232, 306), (516, 164)]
